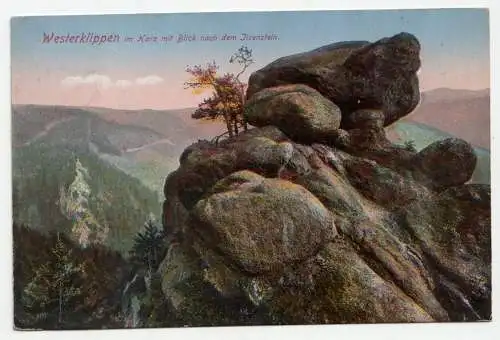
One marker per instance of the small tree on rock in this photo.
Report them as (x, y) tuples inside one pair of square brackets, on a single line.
[(410, 145), (243, 57), (228, 91)]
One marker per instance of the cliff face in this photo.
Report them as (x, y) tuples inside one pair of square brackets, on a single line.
[(314, 216)]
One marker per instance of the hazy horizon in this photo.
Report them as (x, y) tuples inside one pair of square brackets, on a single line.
[(145, 75), (195, 105)]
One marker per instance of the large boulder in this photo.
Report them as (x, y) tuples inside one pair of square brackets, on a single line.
[(355, 75), (301, 68), (300, 111), (263, 224), (446, 163)]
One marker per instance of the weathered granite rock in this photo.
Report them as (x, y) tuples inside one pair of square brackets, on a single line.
[(261, 223), (400, 245), (332, 223), (354, 75), (300, 111), (446, 163)]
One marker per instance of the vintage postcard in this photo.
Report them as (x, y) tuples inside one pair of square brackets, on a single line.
[(251, 168)]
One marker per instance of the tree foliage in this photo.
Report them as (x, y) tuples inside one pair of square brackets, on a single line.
[(149, 246), (410, 145), (227, 91), (58, 285), (53, 285), (118, 202)]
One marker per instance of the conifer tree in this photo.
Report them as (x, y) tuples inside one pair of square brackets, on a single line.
[(74, 204), (148, 245), (53, 287), (410, 145)]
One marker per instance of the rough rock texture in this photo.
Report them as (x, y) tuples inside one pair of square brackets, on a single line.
[(443, 158), (234, 220), (356, 75), (267, 228), (300, 111)]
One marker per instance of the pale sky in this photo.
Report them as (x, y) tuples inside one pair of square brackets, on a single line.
[(455, 51)]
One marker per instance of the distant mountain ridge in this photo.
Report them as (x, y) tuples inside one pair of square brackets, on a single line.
[(461, 113), (449, 94), (146, 144), (61, 181)]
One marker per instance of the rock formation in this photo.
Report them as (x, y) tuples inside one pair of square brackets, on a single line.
[(354, 75), (313, 216)]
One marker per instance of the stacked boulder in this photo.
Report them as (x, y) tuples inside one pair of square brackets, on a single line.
[(314, 216)]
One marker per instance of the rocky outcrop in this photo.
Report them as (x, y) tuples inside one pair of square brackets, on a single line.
[(300, 111), (354, 75), (443, 158), (231, 219), (305, 219)]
